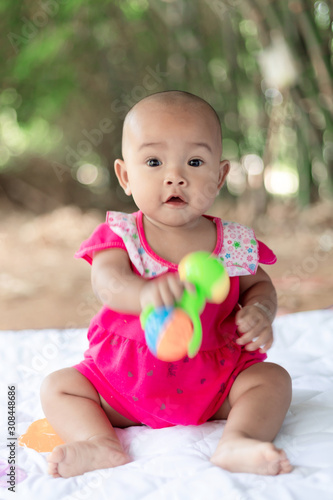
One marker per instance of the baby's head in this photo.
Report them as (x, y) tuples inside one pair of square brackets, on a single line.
[(180, 103), (172, 148)]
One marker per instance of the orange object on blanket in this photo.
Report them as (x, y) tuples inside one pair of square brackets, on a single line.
[(40, 436)]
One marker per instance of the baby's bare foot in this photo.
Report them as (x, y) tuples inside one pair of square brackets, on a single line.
[(75, 458), (252, 456)]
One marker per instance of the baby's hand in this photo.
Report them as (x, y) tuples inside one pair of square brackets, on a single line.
[(164, 291), (254, 325)]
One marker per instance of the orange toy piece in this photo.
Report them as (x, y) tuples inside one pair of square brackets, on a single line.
[(172, 346), (40, 436)]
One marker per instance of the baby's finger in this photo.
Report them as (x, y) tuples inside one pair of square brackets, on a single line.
[(166, 295), (174, 287), (151, 296), (246, 322), (253, 332), (263, 342), (263, 349), (190, 287)]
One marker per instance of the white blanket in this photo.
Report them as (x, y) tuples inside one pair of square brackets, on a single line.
[(173, 463)]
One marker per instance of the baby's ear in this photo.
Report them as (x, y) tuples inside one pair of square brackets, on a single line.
[(122, 176), (224, 170)]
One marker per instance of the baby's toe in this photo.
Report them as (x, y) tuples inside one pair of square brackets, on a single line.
[(53, 469), (285, 466)]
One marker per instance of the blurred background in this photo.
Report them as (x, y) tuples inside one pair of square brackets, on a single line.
[(70, 71)]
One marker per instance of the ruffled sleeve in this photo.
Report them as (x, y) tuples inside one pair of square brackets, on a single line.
[(266, 255), (241, 252), (125, 226), (102, 238)]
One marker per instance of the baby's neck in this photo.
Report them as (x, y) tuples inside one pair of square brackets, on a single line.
[(173, 243)]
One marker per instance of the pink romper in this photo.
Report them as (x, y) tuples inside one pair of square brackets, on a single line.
[(118, 362)]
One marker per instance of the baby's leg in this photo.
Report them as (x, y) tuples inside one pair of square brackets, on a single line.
[(259, 400), (73, 408)]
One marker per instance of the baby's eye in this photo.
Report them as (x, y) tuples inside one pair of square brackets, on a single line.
[(153, 162), (195, 162)]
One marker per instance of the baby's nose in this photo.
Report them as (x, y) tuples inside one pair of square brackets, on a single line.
[(176, 182), (174, 177)]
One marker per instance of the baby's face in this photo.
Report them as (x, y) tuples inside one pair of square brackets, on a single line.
[(172, 161)]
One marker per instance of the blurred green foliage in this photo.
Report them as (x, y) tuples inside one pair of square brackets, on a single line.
[(72, 68)]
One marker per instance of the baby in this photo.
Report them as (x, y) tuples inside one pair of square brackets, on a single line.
[(172, 167)]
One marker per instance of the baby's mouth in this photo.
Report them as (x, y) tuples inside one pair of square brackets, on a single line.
[(175, 201)]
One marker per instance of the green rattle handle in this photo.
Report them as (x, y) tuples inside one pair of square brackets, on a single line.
[(212, 284), (192, 304)]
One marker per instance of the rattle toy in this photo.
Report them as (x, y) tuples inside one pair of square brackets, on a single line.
[(173, 332)]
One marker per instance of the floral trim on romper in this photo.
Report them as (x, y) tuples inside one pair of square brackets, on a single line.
[(239, 253)]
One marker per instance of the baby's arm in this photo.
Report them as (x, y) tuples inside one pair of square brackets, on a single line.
[(119, 288), (259, 304)]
